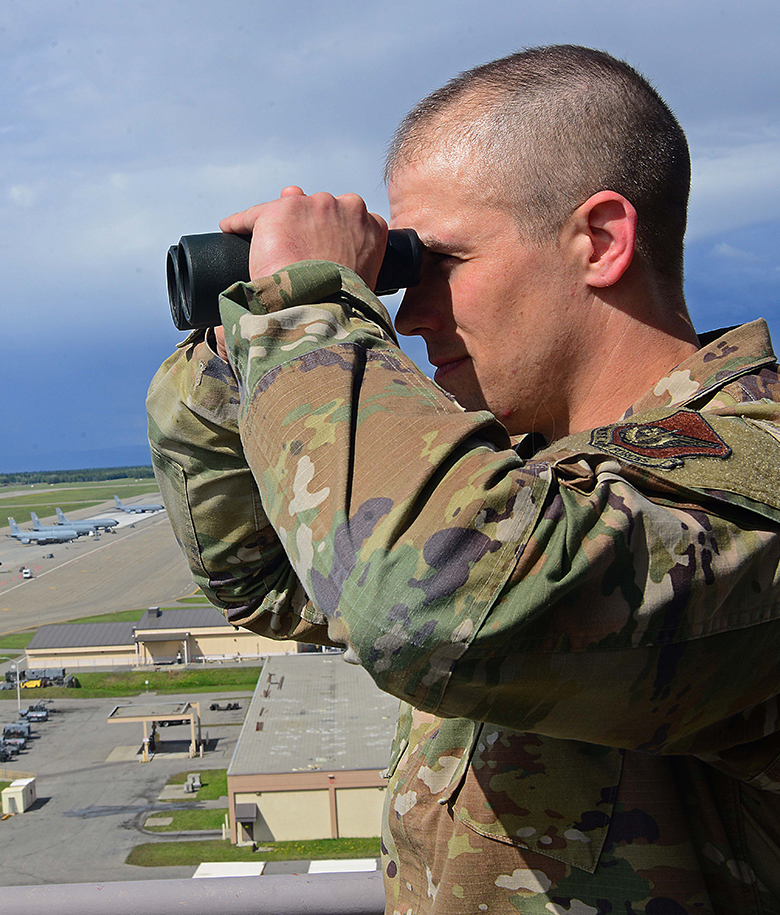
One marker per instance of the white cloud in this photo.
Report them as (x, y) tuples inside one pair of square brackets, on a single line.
[(109, 227), (734, 187), (729, 252), (22, 195)]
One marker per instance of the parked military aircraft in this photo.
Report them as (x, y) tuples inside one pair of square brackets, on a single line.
[(137, 509), (39, 526), (52, 535), (86, 524)]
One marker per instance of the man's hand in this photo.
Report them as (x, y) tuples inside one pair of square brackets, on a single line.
[(321, 227)]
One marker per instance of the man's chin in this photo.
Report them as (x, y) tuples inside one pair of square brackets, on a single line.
[(470, 400), (458, 378)]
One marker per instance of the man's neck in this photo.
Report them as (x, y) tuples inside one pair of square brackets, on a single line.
[(629, 351)]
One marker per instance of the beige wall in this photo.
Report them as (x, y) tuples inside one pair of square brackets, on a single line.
[(289, 815), (160, 652), (82, 657), (359, 812), (219, 644)]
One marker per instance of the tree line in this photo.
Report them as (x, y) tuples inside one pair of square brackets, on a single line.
[(88, 475)]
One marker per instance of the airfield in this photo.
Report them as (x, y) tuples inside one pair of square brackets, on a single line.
[(94, 795), (138, 565)]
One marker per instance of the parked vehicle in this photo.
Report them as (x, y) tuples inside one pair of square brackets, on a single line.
[(44, 673), (17, 729), (41, 705), (54, 676), (33, 684), (15, 744)]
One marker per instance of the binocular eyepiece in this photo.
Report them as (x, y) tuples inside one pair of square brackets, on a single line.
[(200, 267)]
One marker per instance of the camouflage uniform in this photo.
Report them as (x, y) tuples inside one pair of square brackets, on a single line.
[(585, 639)]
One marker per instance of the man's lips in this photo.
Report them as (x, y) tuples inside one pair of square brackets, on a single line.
[(445, 367)]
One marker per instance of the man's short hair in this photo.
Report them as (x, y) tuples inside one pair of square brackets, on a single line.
[(554, 125)]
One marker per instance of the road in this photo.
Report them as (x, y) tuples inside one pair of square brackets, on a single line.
[(138, 566)]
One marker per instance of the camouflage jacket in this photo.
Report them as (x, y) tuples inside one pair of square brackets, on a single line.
[(585, 639)]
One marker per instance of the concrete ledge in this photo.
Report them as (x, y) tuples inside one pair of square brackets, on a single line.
[(320, 894)]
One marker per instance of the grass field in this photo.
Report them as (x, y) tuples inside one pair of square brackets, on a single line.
[(214, 786), (173, 854), (213, 783), (43, 499), (190, 680), (190, 820), (133, 683), (121, 616), (15, 641)]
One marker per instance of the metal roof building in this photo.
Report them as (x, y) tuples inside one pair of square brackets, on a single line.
[(82, 635), (183, 617), (159, 637), (310, 756)]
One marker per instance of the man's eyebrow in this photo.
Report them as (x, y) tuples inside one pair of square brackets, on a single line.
[(440, 246)]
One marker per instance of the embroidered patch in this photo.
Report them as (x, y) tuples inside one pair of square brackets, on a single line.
[(666, 443)]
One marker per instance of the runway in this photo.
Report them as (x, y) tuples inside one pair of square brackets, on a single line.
[(139, 566)]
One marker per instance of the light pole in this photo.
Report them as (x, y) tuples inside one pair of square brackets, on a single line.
[(16, 674), (18, 689)]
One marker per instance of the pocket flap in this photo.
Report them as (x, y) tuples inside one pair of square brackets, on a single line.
[(554, 797)]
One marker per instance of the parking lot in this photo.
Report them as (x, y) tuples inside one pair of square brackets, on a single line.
[(94, 794)]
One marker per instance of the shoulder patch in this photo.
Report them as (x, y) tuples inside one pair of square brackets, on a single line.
[(665, 443)]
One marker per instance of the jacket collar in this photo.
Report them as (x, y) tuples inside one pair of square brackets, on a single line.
[(723, 357)]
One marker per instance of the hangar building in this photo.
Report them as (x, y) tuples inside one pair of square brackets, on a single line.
[(159, 637)]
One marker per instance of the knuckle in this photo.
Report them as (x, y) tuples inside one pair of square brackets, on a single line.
[(323, 198), (353, 202)]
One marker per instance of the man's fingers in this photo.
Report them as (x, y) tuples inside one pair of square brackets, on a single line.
[(297, 227), (379, 220), (219, 340), (241, 223)]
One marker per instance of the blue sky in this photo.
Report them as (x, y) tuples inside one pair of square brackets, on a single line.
[(125, 125)]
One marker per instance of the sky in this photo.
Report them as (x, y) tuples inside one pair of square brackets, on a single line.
[(126, 125)]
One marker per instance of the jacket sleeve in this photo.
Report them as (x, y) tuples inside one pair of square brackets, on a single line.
[(552, 596), (212, 500)]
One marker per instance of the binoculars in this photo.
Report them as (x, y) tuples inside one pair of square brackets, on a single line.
[(200, 267)]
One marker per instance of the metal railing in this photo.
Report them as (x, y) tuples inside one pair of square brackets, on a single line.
[(294, 894), (9, 775)]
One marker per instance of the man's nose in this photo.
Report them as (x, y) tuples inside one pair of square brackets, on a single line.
[(417, 313)]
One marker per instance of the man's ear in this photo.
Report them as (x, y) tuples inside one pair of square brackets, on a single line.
[(605, 228)]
